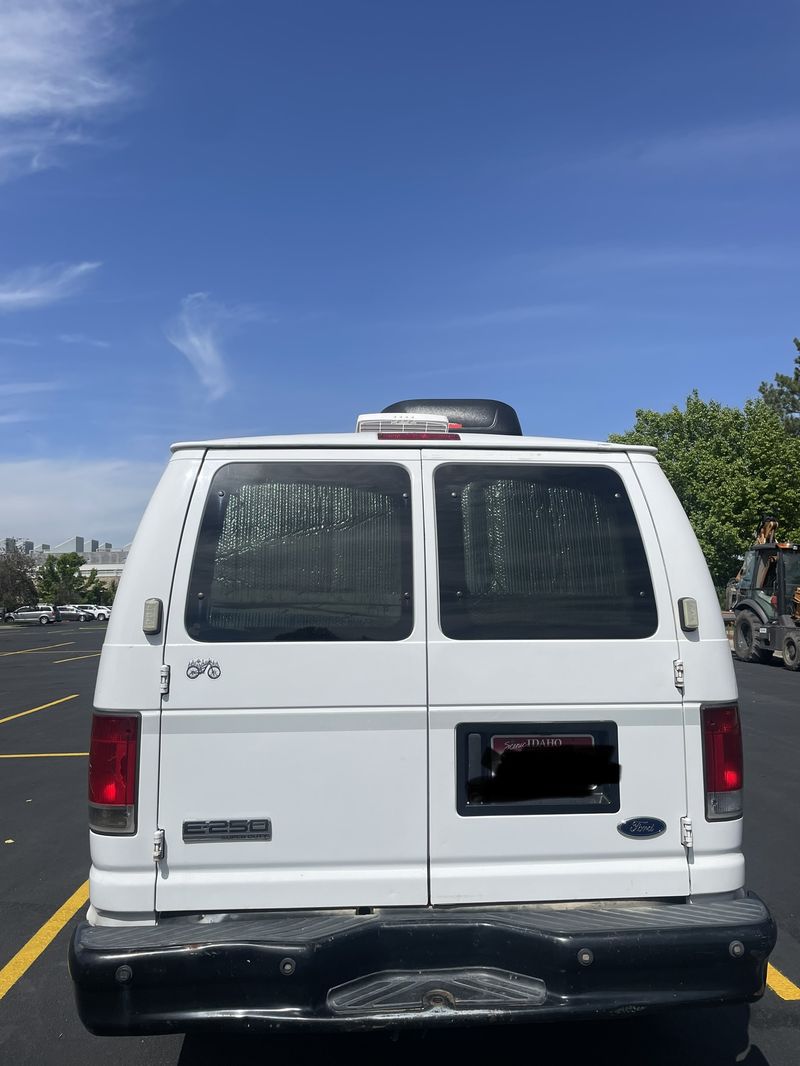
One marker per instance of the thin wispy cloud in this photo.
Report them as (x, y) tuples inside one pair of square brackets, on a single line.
[(483, 366), (758, 142), (199, 332), (13, 390), (42, 285), (26, 388), (103, 496), (601, 259), (81, 338), (13, 417), (513, 315), (19, 342), (721, 151), (59, 70)]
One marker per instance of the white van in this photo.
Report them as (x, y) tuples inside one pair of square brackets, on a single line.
[(426, 723)]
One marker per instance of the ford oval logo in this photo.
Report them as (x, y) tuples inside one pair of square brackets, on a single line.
[(642, 827)]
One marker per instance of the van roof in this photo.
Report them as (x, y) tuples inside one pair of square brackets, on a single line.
[(370, 440)]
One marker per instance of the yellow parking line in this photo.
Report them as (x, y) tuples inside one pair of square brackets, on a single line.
[(43, 707), (45, 651), (781, 985), (28, 954), (47, 755), (29, 651), (74, 659)]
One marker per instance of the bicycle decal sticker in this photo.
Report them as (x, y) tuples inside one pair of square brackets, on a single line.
[(203, 666)]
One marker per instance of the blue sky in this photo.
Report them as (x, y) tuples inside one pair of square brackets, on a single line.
[(221, 218)]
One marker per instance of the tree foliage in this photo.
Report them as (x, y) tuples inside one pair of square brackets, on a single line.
[(728, 467), (16, 580), (107, 593), (93, 588), (97, 591), (783, 395), (60, 579)]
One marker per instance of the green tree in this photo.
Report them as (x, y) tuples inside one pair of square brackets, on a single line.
[(93, 588), (728, 467), (60, 579), (108, 593), (783, 395), (16, 580)]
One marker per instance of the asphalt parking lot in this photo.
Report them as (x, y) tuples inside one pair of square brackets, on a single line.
[(47, 679)]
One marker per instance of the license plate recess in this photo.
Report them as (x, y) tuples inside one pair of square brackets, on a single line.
[(537, 768)]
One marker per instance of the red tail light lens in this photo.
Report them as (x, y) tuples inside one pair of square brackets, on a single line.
[(723, 763), (112, 773)]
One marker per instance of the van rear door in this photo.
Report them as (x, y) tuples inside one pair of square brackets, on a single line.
[(293, 765), (552, 644)]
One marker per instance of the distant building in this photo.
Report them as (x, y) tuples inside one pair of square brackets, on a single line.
[(100, 558), (97, 555), (106, 572), (15, 544), (76, 544)]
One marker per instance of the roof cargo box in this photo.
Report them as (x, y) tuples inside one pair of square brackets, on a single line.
[(471, 416)]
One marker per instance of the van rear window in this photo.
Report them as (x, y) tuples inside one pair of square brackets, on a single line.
[(529, 552), (303, 552)]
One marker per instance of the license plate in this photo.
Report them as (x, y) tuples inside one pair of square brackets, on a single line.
[(540, 741), (537, 767)]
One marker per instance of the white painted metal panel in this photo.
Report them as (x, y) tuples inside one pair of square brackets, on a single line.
[(717, 862), (538, 856), (345, 790), (326, 739), (709, 673)]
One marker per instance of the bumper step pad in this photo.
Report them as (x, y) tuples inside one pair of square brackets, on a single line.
[(468, 989)]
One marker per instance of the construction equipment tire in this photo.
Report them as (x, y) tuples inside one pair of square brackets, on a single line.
[(744, 639), (791, 651)]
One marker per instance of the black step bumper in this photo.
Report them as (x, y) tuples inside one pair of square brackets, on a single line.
[(417, 966)]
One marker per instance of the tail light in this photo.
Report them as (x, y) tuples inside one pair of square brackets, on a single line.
[(722, 761), (112, 773)]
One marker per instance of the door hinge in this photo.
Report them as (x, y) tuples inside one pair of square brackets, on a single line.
[(677, 670), (164, 686), (686, 833), (158, 845)]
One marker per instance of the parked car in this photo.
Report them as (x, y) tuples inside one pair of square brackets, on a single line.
[(94, 610), (69, 613), (43, 613), (423, 724)]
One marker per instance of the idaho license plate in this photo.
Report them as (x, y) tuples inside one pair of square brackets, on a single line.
[(540, 741)]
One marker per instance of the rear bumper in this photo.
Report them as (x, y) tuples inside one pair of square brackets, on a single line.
[(417, 967)]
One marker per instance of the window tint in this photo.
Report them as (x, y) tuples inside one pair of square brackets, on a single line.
[(540, 553), (305, 552)]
